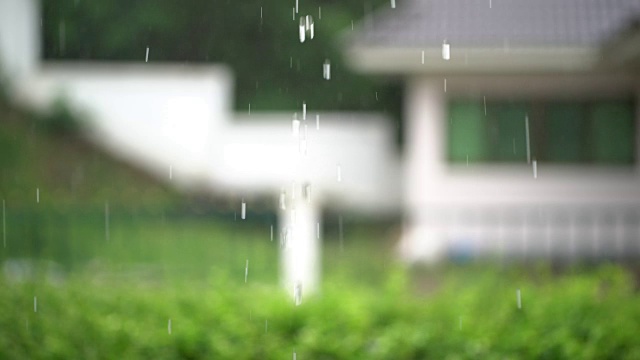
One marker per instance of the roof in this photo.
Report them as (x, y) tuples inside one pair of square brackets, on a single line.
[(582, 25), (563, 23)]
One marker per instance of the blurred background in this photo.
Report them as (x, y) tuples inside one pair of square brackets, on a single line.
[(173, 174)]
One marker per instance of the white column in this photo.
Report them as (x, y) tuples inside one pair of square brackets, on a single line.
[(425, 161), (300, 246), (19, 39)]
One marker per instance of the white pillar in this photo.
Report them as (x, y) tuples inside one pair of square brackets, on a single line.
[(19, 39), (300, 247)]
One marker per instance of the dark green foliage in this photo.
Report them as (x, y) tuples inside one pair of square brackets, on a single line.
[(272, 69), (59, 120)]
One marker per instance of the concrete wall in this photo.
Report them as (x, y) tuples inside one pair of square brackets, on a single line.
[(168, 119), (19, 38), (434, 186)]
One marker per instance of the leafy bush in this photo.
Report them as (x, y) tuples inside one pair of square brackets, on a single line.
[(59, 120), (592, 315)]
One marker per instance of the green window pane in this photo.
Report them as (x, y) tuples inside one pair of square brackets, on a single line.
[(564, 133), (613, 133), (509, 134), (467, 132)]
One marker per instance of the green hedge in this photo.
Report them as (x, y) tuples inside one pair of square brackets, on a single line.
[(472, 315)]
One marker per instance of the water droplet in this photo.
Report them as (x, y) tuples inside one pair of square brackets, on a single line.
[(243, 212), (38, 195), (445, 85), (484, 100), (297, 294), (326, 70), (526, 122), (319, 13), (246, 271), (304, 111), (35, 304), (295, 125), (294, 355), (296, 6), (285, 237), (446, 54), (306, 26), (283, 205), (169, 327), (271, 233), (317, 121), (317, 230), (106, 221), (146, 55), (519, 299), (4, 225), (423, 57), (393, 4), (535, 169)]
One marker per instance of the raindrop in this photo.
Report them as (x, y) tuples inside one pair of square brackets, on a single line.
[(341, 232), (297, 295), (423, 57), (535, 169), (106, 221), (306, 26), (490, 4), (519, 299), (38, 195), (266, 325), (283, 205), (460, 322), (296, 6), (339, 171), (146, 55), (284, 237), (246, 271), (249, 108), (484, 100), (317, 121), (304, 111), (446, 54), (295, 125), (294, 355), (243, 212), (326, 70), (4, 225), (393, 4), (35, 304), (307, 192), (317, 230), (169, 327), (445, 85), (271, 233), (526, 122), (351, 25), (319, 13)]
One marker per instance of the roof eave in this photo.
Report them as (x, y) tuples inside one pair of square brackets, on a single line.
[(407, 61)]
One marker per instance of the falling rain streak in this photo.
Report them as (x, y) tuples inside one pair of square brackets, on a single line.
[(306, 27), (35, 304), (169, 327), (38, 195), (317, 121), (526, 124), (146, 55), (393, 4), (283, 204), (271, 233), (446, 55), (423, 57), (445, 85), (4, 225), (106, 221), (295, 125), (519, 299), (246, 271), (326, 70), (535, 169), (297, 294), (243, 212)]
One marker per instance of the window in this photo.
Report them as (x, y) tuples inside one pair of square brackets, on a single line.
[(600, 132)]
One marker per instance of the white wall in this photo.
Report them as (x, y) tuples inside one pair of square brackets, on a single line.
[(167, 119), (19, 38)]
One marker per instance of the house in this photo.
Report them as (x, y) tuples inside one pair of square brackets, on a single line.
[(176, 122), (522, 124)]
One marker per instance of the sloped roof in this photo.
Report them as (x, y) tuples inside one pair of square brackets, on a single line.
[(496, 23)]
